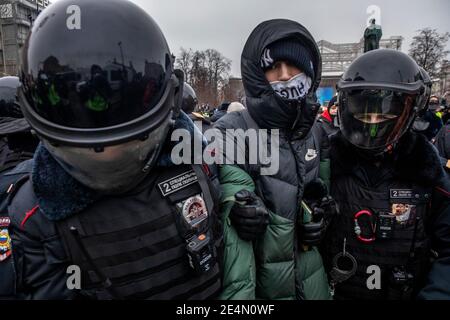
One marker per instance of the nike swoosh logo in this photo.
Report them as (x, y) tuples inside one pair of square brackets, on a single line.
[(311, 155)]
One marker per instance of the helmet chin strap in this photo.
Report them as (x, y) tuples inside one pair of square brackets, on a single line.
[(378, 155), (152, 158), (155, 153)]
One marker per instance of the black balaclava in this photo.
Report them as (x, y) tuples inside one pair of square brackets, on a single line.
[(266, 107)]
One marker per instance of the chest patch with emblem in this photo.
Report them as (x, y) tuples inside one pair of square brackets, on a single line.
[(194, 210), (403, 212), (177, 183), (5, 240)]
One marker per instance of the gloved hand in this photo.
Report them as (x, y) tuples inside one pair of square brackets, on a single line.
[(322, 207), (249, 215)]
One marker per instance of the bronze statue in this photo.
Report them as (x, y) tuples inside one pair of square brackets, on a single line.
[(372, 36)]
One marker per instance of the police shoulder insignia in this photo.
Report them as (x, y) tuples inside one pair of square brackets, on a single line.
[(194, 210), (5, 240)]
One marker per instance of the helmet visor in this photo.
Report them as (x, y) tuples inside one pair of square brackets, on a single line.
[(375, 118), (95, 97), (116, 169)]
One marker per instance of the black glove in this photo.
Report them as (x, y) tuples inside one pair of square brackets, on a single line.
[(249, 215), (312, 233), (323, 208)]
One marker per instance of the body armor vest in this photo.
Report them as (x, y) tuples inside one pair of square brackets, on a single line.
[(385, 227), (162, 242)]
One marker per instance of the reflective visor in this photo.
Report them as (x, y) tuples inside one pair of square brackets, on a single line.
[(375, 118), (96, 96)]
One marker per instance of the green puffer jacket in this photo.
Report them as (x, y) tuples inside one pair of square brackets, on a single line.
[(266, 269)]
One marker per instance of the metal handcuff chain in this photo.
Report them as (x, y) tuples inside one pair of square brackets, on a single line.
[(338, 275)]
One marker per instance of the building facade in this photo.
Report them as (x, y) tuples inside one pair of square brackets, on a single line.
[(337, 57), (335, 60), (16, 18)]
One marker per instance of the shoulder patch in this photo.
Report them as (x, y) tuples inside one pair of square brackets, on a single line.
[(4, 222), (5, 239)]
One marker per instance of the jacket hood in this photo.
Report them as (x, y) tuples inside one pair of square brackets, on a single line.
[(264, 105)]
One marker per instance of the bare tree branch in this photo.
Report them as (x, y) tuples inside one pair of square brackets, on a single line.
[(206, 71), (428, 49)]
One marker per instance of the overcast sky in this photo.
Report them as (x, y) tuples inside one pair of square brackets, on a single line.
[(225, 24)]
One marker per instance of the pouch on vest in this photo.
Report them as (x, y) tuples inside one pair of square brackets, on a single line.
[(193, 212)]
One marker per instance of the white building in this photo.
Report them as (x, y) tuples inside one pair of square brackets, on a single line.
[(337, 57)]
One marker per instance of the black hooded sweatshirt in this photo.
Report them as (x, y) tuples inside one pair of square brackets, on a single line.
[(264, 105)]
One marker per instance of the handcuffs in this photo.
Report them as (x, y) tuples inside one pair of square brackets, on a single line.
[(339, 275)]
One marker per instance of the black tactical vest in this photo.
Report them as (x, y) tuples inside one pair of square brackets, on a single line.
[(161, 242), (391, 224)]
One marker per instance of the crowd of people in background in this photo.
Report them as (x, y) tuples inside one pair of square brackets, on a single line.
[(433, 123)]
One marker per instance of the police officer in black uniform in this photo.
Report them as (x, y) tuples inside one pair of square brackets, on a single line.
[(391, 239), (17, 144), (105, 214), (442, 143), (189, 105)]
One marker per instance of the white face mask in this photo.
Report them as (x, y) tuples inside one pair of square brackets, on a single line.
[(294, 89)]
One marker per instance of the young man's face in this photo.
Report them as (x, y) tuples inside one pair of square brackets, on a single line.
[(282, 71)]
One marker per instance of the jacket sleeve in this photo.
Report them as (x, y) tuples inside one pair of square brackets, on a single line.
[(438, 280), (238, 261), (40, 274), (38, 252)]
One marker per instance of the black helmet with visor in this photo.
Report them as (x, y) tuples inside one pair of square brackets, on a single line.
[(380, 95)]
